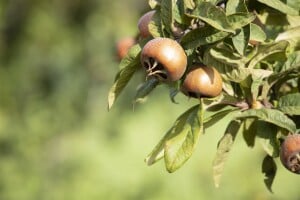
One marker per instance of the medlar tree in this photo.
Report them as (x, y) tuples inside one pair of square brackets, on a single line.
[(240, 59)]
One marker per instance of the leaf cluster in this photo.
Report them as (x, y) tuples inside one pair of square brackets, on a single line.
[(255, 45)]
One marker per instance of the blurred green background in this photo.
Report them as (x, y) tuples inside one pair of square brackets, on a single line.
[(59, 142)]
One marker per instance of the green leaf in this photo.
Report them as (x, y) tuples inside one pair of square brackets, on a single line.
[(185, 136), (167, 14), (213, 16), (236, 6), (239, 20), (240, 41), (224, 147), (292, 36), (267, 134), (293, 61), (145, 89), (190, 4), (202, 36), (155, 26), (158, 152), (269, 169), (129, 66), (270, 115), (267, 50), (154, 3), (290, 104), (213, 117), (248, 129), (230, 65), (256, 33), (280, 6), (278, 79)]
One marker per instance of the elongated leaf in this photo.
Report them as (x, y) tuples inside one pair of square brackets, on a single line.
[(240, 41), (167, 14), (280, 6), (269, 169), (213, 16), (239, 20), (267, 135), (290, 104), (267, 50), (272, 116), (249, 131), (128, 66), (158, 151), (292, 36), (224, 147), (145, 89), (185, 135), (202, 36), (217, 116)]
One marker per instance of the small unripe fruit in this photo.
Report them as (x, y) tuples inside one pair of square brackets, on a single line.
[(290, 153), (144, 22), (202, 81), (123, 46), (164, 58)]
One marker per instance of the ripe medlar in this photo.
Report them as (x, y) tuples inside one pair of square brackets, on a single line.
[(144, 22), (123, 45), (202, 81), (290, 153), (164, 58)]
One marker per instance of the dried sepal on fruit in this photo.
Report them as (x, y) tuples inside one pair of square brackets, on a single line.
[(164, 58), (290, 153)]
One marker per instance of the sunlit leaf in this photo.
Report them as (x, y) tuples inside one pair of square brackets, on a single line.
[(280, 6), (213, 16), (292, 36), (270, 115), (185, 135), (239, 20), (256, 33), (267, 50), (154, 3), (224, 147), (236, 6), (202, 36), (269, 169), (240, 41), (158, 151), (290, 104)]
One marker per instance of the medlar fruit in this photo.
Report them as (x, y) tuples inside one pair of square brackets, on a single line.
[(164, 58), (144, 22), (290, 153), (202, 81)]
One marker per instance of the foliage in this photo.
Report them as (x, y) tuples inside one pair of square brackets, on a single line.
[(257, 54)]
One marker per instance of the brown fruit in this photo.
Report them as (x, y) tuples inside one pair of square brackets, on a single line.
[(202, 81), (164, 58), (123, 46), (144, 22), (290, 153)]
